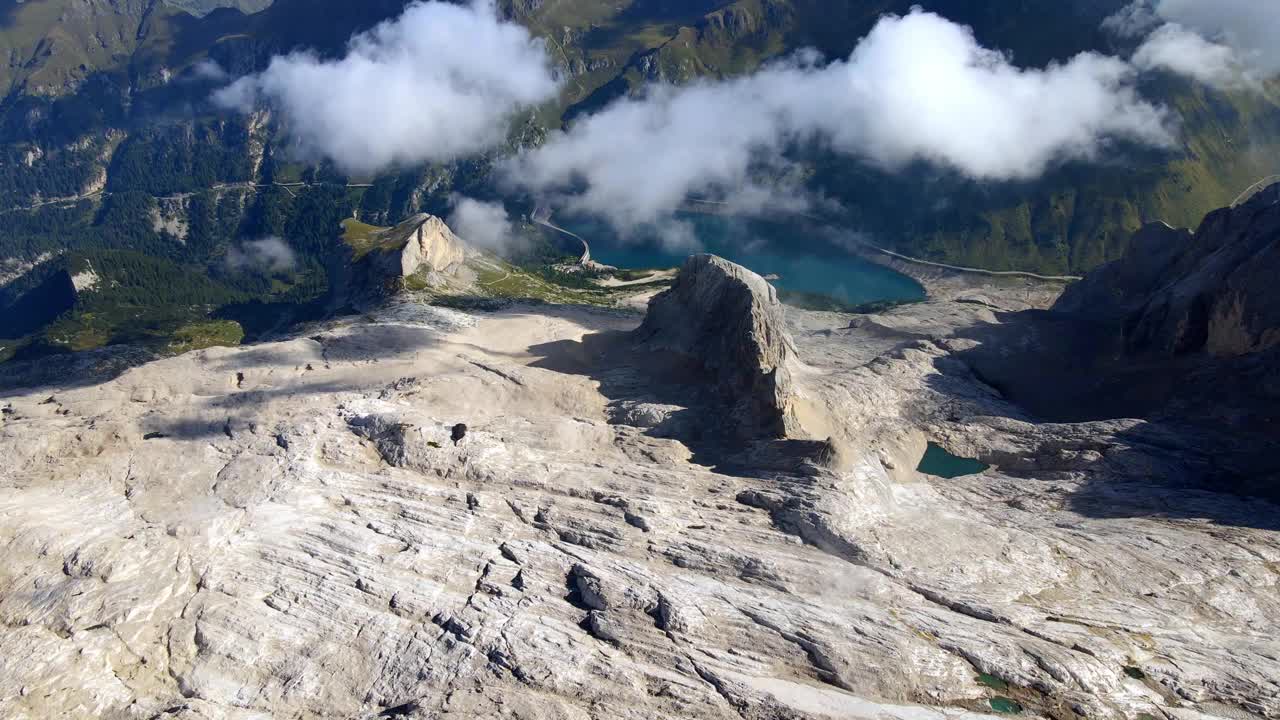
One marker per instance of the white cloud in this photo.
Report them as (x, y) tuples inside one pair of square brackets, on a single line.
[(1222, 42), (1250, 27), (1175, 48), (482, 224), (440, 81), (270, 254), (918, 87), (208, 70), (1133, 20), (641, 158)]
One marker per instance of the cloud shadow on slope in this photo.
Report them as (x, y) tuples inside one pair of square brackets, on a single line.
[(257, 376)]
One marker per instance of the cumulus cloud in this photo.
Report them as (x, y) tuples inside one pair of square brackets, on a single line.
[(917, 88), (1175, 48), (1249, 27), (1223, 43), (1133, 20), (440, 81), (270, 254), (483, 224)]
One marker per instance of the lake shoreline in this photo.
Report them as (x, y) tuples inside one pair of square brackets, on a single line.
[(808, 269), (946, 282)]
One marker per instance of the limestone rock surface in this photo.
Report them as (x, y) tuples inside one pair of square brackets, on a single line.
[(431, 247), (420, 252), (287, 531)]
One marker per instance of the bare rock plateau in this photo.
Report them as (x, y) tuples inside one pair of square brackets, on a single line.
[(712, 511)]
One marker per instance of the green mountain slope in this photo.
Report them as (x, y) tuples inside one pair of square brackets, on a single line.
[(108, 143), (1076, 218), (54, 45)]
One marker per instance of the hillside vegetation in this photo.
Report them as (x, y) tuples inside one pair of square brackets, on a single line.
[(109, 145), (1078, 217)]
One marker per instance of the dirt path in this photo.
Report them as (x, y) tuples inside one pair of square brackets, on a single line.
[(613, 282)]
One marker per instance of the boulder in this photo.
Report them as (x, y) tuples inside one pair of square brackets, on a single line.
[(420, 252)]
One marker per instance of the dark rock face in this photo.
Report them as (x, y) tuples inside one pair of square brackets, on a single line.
[(1123, 286), (38, 306), (725, 322), (1197, 315), (1215, 291), (1183, 330)]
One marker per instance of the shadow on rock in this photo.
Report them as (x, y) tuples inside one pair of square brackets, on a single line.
[(710, 366), (275, 373), (672, 399)]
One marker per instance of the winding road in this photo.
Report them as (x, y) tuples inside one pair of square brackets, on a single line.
[(542, 216), (979, 271), (181, 196), (1255, 188)]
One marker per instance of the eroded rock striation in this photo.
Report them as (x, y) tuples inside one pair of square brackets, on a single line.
[(288, 530)]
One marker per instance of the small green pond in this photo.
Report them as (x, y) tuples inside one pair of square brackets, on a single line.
[(940, 463), (993, 682), (1005, 705)]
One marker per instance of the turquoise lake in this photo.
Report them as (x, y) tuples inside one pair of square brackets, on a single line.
[(804, 262)]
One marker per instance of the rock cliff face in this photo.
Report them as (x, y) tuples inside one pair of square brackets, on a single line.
[(1199, 313), (1176, 293), (727, 322), (421, 251), (430, 247), (1185, 329)]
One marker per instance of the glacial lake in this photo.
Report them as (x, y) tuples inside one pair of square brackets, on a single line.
[(809, 268), (940, 463)]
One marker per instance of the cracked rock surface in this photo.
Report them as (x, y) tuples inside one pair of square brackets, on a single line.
[(287, 530)]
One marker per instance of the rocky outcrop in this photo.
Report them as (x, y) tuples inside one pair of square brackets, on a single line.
[(1185, 329), (1124, 285), (1177, 293), (421, 253), (1194, 320), (429, 246), (726, 322)]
